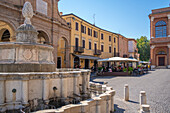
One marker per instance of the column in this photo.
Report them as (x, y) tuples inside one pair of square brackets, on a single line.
[(152, 27), (168, 56), (25, 92), (112, 100), (152, 56), (168, 26), (63, 84), (76, 84), (46, 90), (67, 57), (2, 91)]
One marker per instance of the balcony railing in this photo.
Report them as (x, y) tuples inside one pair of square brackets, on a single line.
[(78, 49), (116, 55), (97, 52)]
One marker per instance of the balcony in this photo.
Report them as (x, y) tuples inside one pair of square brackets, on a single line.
[(116, 54), (97, 52), (160, 40), (78, 49)]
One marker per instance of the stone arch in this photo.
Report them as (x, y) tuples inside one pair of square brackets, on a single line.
[(5, 35), (6, 27), (43, 37), (63, 51), (161, 50)]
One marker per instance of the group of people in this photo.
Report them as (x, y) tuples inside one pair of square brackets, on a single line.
[(113, 68)]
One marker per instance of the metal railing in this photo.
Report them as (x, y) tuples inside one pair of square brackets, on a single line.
[(78, 49), (97, 52)]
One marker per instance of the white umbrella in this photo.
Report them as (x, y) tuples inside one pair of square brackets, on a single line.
[(113, 59)]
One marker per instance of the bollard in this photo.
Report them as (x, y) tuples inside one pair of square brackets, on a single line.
[(145, 109), (142, 98), (126, 92)]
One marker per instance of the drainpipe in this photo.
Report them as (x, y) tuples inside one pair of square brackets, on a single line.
[(52, 22)]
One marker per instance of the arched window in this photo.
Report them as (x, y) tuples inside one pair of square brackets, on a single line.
[(161, 53), (6, 35), (160, 29)]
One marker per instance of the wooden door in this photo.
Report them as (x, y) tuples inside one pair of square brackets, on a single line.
[(161, 61)]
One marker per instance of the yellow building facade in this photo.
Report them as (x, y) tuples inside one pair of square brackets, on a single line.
[(88, 43)]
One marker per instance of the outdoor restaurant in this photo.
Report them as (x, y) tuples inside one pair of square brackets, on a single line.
[(116, 66)]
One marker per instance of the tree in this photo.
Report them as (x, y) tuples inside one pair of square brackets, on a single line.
[(143, 48)]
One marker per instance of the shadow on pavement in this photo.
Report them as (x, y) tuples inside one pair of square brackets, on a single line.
[(133, 102), (118, 110)]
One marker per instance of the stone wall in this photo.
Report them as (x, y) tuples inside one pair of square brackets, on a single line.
[(102, 103), (37, 90)]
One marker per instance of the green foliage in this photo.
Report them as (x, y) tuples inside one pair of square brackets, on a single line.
[(100, 68), (130, 69), (139, 66), (125, 70), (143, 48)]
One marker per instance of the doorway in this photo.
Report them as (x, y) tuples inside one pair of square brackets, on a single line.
[(76, 62), (161, 61), (86, 63), (58, 62)]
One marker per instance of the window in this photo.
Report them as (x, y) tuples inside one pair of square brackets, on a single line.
[(5, 36), (77, 26), (102, 48), (89, 32), (114, 51), (83, 43), (114, 40), (102, 36), (160, 29), (89, 44), (83, 29), (95, 34), (110, 49), (110, 38)]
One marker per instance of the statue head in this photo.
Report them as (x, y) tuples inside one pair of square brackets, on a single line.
[(27, 12)]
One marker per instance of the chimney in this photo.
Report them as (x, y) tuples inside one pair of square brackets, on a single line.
[(61, 13)]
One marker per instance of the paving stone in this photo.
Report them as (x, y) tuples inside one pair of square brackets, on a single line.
[(157, 87)]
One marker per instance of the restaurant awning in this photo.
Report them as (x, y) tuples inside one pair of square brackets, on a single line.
[(87, 57), (118, 59)]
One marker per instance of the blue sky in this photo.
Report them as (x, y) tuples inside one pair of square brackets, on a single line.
[(127, 17)]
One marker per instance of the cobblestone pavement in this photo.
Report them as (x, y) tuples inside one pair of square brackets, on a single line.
[(157, 87)]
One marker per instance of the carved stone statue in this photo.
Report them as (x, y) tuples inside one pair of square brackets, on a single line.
[(27, 12), (26, 32)]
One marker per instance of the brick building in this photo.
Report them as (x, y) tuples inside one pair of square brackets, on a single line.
[(47, 20), (160, 37), (123, 46)]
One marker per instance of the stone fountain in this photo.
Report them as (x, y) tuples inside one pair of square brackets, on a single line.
[(30, 82)]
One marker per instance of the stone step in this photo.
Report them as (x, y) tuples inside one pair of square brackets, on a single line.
[(161, 67)]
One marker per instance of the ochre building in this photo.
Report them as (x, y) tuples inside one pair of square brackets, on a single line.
[(89, 42), (160, 37), (47, 20)]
